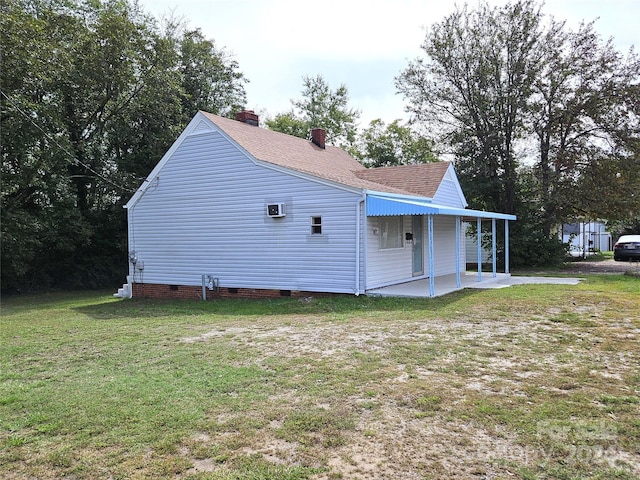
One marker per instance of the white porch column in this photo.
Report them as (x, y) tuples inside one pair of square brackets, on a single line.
[(432, 282), (458, 220), (479, 239), (506, 246), (493, 248)]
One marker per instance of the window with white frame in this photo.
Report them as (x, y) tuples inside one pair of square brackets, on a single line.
[(391, 232), (316, 225)]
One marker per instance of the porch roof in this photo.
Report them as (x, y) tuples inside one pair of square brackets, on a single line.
[(381, 204)]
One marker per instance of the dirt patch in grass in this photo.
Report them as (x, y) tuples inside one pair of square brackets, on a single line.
[(534, 381), (463, 398)]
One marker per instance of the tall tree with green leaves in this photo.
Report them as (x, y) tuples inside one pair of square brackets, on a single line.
[(382, 145), (473, 88), (93, 94), (584, 118), (210, 76), (320, 107), (542, 120)]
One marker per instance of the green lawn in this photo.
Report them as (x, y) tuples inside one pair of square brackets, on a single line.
[(533, 382)]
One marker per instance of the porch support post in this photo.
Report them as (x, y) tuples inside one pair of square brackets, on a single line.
[(493, 248), (506, 246), (479, 241), (432, 282), (458, 220)]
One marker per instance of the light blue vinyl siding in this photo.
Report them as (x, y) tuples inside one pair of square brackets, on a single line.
[(206, 214)]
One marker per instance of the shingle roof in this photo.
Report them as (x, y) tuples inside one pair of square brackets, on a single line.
[(422, 179), (331, 163)]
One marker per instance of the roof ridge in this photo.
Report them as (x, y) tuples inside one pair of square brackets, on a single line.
[(215, 118), (331, 163), (406, 178)]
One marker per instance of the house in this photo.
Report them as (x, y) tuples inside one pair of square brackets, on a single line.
[(235, 209)]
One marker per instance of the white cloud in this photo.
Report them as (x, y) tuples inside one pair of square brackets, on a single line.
[(343, 29), (363, 44)]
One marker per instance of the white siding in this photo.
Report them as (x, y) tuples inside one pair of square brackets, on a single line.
[(449, 192), (444, 245), (387, 266), (363, 247), (592, 234), (206, 214), (472, 248)]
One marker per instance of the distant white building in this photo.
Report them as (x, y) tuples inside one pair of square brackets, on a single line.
[(586, 236)]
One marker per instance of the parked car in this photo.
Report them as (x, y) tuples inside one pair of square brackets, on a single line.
[(627, 248)]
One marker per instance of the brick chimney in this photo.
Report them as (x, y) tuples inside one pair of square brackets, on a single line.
[(247, 116), (319, 136)]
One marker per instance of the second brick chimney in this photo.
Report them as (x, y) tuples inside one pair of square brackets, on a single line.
[(319, 136), (247, 116)]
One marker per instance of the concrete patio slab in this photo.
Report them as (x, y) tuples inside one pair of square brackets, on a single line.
[(447, 284)]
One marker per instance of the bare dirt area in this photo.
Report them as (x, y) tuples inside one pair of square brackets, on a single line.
[(497, 392), (535, 381)]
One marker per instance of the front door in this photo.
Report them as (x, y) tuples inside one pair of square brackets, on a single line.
[(418, 241)]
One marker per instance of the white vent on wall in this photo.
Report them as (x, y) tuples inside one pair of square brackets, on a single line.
[(276, 210)]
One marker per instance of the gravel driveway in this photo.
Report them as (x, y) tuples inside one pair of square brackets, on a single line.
[(603, 266)]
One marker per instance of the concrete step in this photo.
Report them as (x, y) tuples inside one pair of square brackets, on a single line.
[(124, 292)]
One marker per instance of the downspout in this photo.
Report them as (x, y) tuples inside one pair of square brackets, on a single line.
[(358, 240)]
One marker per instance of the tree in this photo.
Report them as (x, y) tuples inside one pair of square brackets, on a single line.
[(320, 106), (37, 191), (499, 78), (93, 94), (585, 127), (382, 145), (290, 124), (209, 76), (474, 89), (609, 187)]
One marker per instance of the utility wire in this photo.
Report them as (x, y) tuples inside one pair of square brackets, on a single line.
[(74, 160)]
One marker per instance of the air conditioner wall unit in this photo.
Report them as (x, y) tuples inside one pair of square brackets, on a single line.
[(276, 210)]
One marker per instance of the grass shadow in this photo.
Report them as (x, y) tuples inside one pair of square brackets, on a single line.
[(347, 305)]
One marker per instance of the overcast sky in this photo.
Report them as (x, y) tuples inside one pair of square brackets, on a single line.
[(363, 44)]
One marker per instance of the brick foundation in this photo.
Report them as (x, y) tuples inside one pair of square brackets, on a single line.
[(190, 292)]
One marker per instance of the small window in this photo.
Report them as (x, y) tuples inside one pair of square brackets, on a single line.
[(316, 225), (391, 232)]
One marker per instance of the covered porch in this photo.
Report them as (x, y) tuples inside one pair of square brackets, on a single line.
[(383, 204)]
